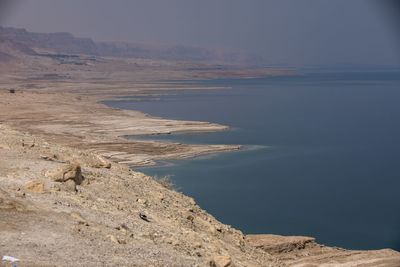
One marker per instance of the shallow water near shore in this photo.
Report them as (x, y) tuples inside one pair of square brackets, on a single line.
[(327, 158)]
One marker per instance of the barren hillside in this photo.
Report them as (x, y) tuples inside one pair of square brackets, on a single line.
[(67, 194)]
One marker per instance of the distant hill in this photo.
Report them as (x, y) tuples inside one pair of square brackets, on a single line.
[(10, 50), (30, 43), (57, 42), (174, 52)]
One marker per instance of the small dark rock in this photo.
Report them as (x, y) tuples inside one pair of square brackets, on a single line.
[(144, 217), (190, 218)]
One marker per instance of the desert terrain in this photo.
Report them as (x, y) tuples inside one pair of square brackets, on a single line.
[(69, 192)]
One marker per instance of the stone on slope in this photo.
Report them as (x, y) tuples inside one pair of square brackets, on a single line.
[(68, 172), (221, 261)]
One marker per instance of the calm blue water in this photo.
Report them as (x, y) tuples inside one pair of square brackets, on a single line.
[(325, 160)]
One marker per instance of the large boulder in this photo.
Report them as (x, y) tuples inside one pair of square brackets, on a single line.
[(221, 261), (70, 174)]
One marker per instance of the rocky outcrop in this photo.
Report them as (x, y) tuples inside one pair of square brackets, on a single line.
[(275, 244), (221, 261), (65, 173), (304, 251), (70, 175)]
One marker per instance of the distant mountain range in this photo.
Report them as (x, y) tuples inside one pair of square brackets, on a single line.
[(14, 42)]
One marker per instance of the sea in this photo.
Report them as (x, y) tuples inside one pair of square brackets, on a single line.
[(320, 154)]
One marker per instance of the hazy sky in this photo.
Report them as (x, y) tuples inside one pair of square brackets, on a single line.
[(283, 31)]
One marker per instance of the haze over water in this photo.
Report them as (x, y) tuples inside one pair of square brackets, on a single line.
[(324, 158)]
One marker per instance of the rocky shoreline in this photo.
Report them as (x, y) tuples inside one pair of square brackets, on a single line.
[(64, 201), (67, 194)]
